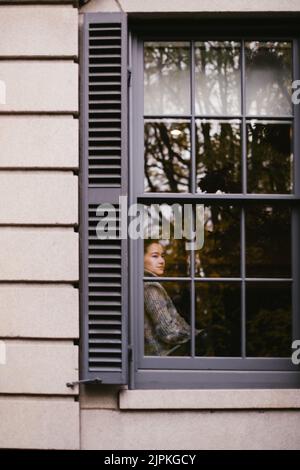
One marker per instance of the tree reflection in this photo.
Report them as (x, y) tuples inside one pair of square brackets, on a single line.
[(268, 78), (218, 307), (217, 68), (166, 78), (167, 156), (218, 151), (220, 255), (269, 158), (268, 240), (269, 320), (177, 258)]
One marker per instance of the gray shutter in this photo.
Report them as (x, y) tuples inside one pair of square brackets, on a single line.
[(104, 263)]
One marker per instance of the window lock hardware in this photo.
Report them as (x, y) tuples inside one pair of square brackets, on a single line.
[(88, 381)]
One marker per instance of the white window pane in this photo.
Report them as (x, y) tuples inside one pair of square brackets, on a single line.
[(166, 78), (218, 80), (268, 78)]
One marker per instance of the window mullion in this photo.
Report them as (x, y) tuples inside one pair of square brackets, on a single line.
[(296, 120), (244, 189), (193, 128), (295, 273), (244, 124), (243, 286), (193, 190), (193, 300), (296, 210)]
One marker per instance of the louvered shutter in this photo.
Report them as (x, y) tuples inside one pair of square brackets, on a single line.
[(104, 179)]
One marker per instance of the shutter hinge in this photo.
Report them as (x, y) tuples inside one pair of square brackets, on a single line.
[(88, 381), (130, 353), (129, 77)]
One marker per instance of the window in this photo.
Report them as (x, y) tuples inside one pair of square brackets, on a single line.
[(211, 127), (218, 128)]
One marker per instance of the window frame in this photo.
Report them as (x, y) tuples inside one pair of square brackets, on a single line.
[(174, 372)]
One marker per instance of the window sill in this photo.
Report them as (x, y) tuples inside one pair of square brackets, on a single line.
[(209, 399)]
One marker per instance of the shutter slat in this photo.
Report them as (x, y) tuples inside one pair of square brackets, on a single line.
[(105, 47), (105, 322), (103, 284), (103, 341), (111, 185), (105, 350), (104, 359), (101, 295), (106, 167), (95, 247), (103, 93), (103, 120), (105, 139), (105, 74), (103, 256), (105, 332)]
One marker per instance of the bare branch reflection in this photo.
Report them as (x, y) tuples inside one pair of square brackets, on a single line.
[(167, 156), (268, 78), (269, 320), (269, 157), (167, 78), (217, 69), (218, 151), (220, 255)]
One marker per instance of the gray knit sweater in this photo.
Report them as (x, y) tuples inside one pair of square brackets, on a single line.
[(164, 327)]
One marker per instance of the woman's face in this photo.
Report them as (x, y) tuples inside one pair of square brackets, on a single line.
[(154, 259)]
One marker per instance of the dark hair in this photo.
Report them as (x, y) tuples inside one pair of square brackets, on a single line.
[(148, 242)]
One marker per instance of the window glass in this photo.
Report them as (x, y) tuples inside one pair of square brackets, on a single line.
[(217, 78), (218, 312), (220, 254), (166, 78), (268, 326), (166, 312), (218, 152), (171, 227), (268, 241), (167, 155), (269, 157), (268, 78), (218, 133)]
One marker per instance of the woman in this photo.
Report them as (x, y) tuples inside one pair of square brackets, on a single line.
[(164, 327)]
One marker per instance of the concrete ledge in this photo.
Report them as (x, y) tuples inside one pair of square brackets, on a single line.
[(132, 6), (184, 430), (208, 399), (38, 2), (101, 6)]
